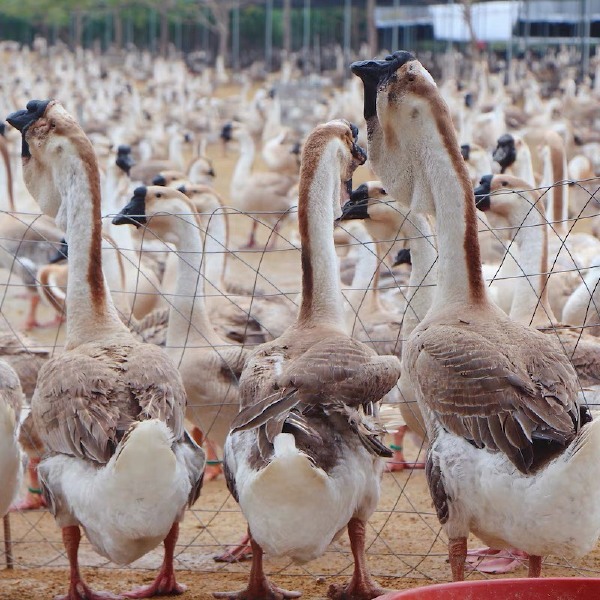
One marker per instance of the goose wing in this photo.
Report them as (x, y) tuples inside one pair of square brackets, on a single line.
[(519, 399), (85, 403), (337, 376)]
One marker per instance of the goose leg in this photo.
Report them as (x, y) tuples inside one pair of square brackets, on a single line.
[(457, 553), (535, 566), (252, 239), (164, 584), (213, 467), (34, 498), (259, 587), (78, 590), (398, 462), (361, 586), (239, 553)]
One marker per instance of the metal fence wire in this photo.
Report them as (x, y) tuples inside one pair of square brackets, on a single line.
[(404, 536)]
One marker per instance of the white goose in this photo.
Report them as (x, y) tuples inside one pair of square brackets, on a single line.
[(312, 386), (110, 410), (499, 399), (11, 456)]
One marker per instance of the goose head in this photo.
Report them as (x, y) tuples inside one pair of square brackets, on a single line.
[(124, 159), (370, 202), (53, 144), (153, 207), (333, 141), (234, 131), (204, 198), (505, 153), (169, 178), (403, 257), (377, 73), (508, 197)]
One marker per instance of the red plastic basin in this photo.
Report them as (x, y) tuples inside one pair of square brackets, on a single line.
[(550, 588)]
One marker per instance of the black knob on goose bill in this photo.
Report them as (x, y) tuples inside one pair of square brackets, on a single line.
[(375, 72), (482, 193), (355, 208), (134, 213), (21, 119), (403, 257)]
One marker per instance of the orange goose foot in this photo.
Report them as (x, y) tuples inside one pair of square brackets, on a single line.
[(493, 561), (239, 553), (259, 587), (78, 590), (164, 584), (361, 586)]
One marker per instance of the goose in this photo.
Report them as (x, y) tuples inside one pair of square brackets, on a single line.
[(582, 309), (297, 490), (213, 399), (26, 358), (257, 191), (28, 241), (530, 304), (372, 203), (109, 410), (11, 455), (499, 399), (249, 316), (514, 158)]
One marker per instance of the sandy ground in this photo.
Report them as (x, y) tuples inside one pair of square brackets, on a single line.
[(405, 547)]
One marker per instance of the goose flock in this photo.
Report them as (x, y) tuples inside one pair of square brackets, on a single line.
[(176, 369)]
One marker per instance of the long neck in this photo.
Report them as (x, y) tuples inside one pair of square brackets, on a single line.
[(321, 294), (530, 304), (188, 320), (92, 315), (447, 182), (215, 245), (243, 168), (423, 275), (361, 296), (523, 167)]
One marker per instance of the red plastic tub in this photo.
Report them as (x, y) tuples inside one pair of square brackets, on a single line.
[(550, 588)]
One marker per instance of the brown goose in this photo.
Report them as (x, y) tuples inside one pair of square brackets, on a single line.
[(304, 456), (110, 410), (499, 399)]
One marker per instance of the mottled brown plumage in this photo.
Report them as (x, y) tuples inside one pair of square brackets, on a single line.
[(87, 399)]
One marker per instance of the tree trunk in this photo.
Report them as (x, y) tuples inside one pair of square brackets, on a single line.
[(224, 39), (287, 27), (118, 24), (371, 29), (78, 30), (164, 33)]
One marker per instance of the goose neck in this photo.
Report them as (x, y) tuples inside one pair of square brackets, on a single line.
[(92, 315), (423, 274), (321, 291), (189, 323), (243, 167), (530, 304)]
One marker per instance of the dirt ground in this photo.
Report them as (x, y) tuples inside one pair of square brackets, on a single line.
[(405, 545)]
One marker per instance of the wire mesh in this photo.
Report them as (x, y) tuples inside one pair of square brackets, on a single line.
[(405, 539)]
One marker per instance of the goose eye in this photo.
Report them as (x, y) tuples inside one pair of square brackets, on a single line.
[(52, 123), (384, 193), (159, 195), (504, 183)]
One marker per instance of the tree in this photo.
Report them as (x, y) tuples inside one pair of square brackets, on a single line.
[(371, 29)]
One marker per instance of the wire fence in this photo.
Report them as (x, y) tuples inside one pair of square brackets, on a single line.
[(404, 537)]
